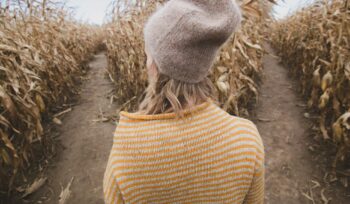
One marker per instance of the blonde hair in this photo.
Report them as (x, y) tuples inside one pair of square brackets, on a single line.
[(165, 95)]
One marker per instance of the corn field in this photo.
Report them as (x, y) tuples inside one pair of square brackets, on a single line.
[(314, 44), (42, 54), (45, 52)]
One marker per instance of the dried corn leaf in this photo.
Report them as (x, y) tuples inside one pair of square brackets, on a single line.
[(65, 193), (314, 43), (42, 52), (38, 183)]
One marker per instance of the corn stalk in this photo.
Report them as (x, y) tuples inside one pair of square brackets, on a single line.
[(42, 53), (315, 45)]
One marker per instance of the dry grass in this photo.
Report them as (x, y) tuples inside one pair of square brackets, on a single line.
[(42, 53), (315, 45), (236, 72)]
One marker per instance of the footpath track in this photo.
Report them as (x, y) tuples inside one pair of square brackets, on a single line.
[(86, 143), (294, 173), (296, 162)]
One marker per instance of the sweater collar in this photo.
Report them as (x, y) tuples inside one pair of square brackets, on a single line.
[(165, 115)]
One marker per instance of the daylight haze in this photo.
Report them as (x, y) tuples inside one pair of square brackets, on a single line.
[(94, 11), (91, 11), (287, 7)]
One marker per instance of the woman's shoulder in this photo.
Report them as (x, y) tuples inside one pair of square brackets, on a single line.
[(245, 130), (236, 119)]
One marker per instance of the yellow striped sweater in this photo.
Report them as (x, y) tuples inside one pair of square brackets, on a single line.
[(208, 156)]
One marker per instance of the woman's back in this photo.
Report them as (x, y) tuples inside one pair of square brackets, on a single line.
[(198, 156), (208, 156)]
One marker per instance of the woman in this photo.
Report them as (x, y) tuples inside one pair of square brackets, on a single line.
[(180, 147)]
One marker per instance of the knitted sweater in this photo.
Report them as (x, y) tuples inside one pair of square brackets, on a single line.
[(208, 156)]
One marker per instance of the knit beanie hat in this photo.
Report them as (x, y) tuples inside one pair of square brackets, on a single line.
[(184, 36)]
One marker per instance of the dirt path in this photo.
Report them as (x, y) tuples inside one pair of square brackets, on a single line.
[(292, 169), (293, 165), (86, 143)]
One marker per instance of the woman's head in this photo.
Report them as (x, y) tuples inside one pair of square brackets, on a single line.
[(165, 94), (182, 41)]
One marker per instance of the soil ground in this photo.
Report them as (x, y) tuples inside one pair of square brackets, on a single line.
[(295, 161), (86, 143)]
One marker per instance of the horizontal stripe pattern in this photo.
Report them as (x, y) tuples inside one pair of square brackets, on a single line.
[(208, 156)]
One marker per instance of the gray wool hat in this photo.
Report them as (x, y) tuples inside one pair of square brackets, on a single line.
[(184, 36)]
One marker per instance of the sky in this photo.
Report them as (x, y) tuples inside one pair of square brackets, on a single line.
[(94, 11), (286, 7)]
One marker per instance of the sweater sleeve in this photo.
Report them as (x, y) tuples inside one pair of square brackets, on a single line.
[(257, 189), (111, 191)]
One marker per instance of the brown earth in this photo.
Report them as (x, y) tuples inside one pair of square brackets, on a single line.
[(297, 159), (86, 142), (296, 162)]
